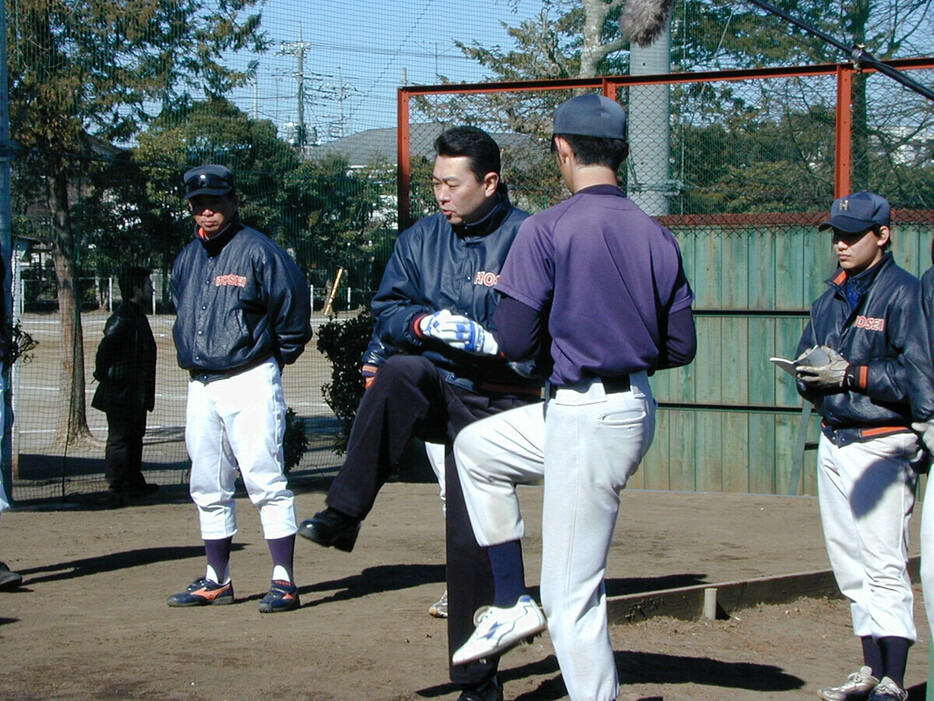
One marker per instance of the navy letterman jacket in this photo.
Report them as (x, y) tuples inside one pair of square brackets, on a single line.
[(240, 299), (921, 389), (434, 267), (874, 338)]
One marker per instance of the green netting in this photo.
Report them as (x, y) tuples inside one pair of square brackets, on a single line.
[(110, 101)]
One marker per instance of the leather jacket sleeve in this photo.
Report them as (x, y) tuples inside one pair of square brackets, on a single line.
[(920, 357), (399, 302), (887, 379), (289, 307), (107, 364)]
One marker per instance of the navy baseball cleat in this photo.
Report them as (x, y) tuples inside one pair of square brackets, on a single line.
[(282, 596), (331, 528), (203, 592), (499, 629)]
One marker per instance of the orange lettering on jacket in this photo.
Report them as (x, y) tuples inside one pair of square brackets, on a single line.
[(486, 279), (870, 323), (229, 281)]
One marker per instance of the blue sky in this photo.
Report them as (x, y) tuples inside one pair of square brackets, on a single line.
[(357, 53)]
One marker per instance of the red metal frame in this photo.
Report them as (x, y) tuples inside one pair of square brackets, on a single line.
[(403, 159), (844, 126), (610, 86)]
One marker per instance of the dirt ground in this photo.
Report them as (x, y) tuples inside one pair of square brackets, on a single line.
[(91, 621)]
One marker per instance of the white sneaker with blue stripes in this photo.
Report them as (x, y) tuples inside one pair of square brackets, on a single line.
[(499, 629)]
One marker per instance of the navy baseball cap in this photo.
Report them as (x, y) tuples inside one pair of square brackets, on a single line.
[(591, 115), (858, 212), (208, 180)]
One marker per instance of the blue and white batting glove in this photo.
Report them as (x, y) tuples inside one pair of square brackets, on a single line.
[(436, 326), (459, 332), (472, 337)]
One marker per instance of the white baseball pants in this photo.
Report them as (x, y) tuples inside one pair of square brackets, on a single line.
[(927, 553), (586, 445), (5, 417), (435, 455), (239, 422), (866, 493)]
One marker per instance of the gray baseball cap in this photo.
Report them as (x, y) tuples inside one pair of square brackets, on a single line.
[(591, 115), (858, 212), (208, 180)]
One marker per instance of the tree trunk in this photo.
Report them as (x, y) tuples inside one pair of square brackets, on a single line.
[(592, 49), (72, 426)]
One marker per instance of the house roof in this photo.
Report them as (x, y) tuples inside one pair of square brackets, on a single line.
[(364, 147)]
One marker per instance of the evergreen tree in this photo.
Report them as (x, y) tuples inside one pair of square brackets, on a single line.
[(86, 74)]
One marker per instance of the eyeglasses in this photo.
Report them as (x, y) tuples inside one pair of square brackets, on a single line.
[(208, 181)]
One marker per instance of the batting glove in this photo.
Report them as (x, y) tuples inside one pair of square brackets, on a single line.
[(436, 326), (459, 332), (473, 338), (827, 377), (925, 429), (806, 359)]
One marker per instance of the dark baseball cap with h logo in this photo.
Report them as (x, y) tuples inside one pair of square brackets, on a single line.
[(858, 212), (208, 180)]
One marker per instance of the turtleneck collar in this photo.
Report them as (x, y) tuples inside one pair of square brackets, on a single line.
[(490, 222), (215, 245)]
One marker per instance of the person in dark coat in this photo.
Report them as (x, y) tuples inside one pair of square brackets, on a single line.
[(125, 367)]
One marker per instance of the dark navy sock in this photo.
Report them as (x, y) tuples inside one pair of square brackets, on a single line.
[(282, 551), (894, 658), (872, 655), (508, 572), (218, 556)]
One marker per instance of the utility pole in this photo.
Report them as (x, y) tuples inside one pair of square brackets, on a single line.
[(6, 220), (340, 102), (298, 49), (337, 91), (256, 97)]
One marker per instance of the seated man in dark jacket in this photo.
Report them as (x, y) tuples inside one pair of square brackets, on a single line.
[(125, 367), (442, 273)]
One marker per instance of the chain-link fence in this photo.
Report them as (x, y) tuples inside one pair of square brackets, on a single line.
[(109, 107), (741, 166)]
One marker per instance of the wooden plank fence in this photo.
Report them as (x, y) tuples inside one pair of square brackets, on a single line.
[(731, 421)]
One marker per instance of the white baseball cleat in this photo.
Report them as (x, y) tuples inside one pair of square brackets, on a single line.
[(857, 687), (888, 691), (499, 629)]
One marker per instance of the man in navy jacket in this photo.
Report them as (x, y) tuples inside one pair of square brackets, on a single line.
[(442, 273), (243, 314)]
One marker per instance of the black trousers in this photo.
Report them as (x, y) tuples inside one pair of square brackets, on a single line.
[(410, 398), (123, 456)]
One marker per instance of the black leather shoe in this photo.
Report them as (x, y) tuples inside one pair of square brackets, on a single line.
[(144, 490), (331, 528), (118, 498), (490, 690)]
